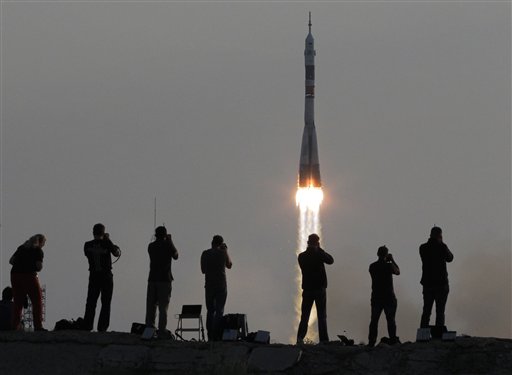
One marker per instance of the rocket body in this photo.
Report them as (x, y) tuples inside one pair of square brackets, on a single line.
[(309, 167)]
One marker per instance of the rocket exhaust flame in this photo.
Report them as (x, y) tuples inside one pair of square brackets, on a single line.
[(308, 200)]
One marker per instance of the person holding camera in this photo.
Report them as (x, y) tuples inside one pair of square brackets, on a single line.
[(161, 253), (99, 253), (214, 262), (434, 256), (383, 295), (314, 287), (26, 262)]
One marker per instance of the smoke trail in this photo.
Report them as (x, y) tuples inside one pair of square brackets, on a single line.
[(308, 200)]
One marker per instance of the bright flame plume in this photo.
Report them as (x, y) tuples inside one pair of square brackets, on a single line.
[(308, 199)]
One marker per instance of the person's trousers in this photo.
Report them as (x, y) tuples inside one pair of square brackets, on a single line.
[(100, 283), (215, 302), (439, 295), (24, 284), (389, 305), (319, 297), (159, 293)]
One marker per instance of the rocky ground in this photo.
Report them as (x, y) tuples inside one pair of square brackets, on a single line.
[(75, 352)]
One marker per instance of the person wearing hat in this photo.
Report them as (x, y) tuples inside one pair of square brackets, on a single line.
[(99, 253), (383, 295), (314, 287), (161, 253), (214, 262), (434, 256)]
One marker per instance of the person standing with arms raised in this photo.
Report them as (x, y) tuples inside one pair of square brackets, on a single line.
[(383, 295), (314, 287), (214, 262), (26, 262), (434, 256), (99, 253), (161, 253)]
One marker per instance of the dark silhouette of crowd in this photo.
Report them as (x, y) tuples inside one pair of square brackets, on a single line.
[(27, 261)]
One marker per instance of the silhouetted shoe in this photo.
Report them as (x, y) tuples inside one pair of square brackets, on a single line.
[(41, 329), (165, 335), (345, 340), (394, 341), (83, 327), (371, 344), (299, 342), (385, 340)]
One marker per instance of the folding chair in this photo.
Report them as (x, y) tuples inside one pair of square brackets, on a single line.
[(190, 312)]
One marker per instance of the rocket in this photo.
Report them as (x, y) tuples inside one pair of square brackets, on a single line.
[(309, 167)]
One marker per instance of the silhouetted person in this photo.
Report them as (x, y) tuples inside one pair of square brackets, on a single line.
[(26, 262), (214, 262), (383, 294), (314, 287), (161, 253), (6, 308), (434, 256), (99, 253)]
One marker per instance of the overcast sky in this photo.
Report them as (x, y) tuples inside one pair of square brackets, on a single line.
[(107, 105)]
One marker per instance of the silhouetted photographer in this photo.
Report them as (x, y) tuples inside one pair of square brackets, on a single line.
[(99, 253), (434, 256), (214, 262), (26, 262), (161, 253), (314, 287), (383, 295)]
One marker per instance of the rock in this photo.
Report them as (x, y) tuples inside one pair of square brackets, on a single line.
[(84, 353), (273, 359), (123, 357), (180, 359)]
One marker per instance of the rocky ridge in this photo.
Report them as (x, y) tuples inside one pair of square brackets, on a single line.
[(76, 352)]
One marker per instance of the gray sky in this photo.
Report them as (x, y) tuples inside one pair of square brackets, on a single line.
[(107, 105)]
